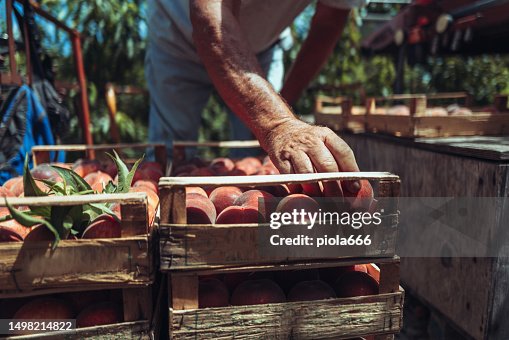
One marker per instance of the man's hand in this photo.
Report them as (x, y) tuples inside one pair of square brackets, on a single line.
[(297, 147)]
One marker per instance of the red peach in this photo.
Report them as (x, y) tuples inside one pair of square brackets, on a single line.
[(268, 170), (39, 233), (147, 184), (153, 201), (104, 226), (250, 165), (9, 235), (221, 166), (45, 308), (200, 210), (232, 280), (224, 197), (399, 110), (4, 192), (256, 292), (278, 190), (286, 279), (16, 227), (186, 168), (104, 313), (97, 180), (46, 172), (212, 293), (360, 200), (253, 198), (311, 290), (152, 165), (202, 172), (331, 274), (355, 284), (152, 174), (83, 167), (298, 202), (11, 182), (196, 190), (239, 215)]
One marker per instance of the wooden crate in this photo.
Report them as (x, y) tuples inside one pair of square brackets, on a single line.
[(138, 322), (338, 318), (42, 153), (472, 291), (190, 247), (419, 125), (33, 268), (339, 114)]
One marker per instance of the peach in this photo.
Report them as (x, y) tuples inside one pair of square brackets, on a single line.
[(250, 165), (212, 293), (196, 190), (221, 166), (200, 210), (152, 174), (149, 184), (84, 166), (224, 197), (151, 165), (97, 180), (116, 208), (289, 278), (331, 274), (251, 198), (237, 172), (9, 235), (186, 168), (110, 168), (15, 226), (239, 215), (45, 308), (17, 187), (11, 182), (232, 280), (278, 190), (361, 200), (46, 172), (201, 172), (39, 233), (311, 290), (104, 226), (256, 292), (355, 284), (153, 201), (103, 313), (298, 202), (4, 192)]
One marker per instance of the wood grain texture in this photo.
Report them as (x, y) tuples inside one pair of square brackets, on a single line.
[(193, 247), (300, 320), (470, 292), (126, 330), (32, 268), (27, 268)]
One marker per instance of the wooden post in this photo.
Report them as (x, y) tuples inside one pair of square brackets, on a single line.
[(184, 291)]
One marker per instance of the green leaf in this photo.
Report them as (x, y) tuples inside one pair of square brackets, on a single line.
[(27, 220), (125, 177), (72, 179), (30, 187), (105, 209)]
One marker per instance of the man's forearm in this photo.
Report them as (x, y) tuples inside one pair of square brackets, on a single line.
[(326, 29), (233, 67)]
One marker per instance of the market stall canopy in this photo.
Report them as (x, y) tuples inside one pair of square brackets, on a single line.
[(445, 27)]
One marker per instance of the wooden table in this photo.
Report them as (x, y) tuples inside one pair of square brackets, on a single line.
[(470, 292)]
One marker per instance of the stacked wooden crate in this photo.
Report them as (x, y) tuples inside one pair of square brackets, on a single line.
[(121, 268), (339, 114), (189, 252)]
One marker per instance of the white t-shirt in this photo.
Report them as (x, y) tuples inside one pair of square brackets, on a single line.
[(262, 21)]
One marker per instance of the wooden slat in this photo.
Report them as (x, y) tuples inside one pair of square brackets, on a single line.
[(222, 144), (350, 317), (184, 291), (193, 247), (137, 304), (273, 179), (125, 330), (31, 268), (128, 198)]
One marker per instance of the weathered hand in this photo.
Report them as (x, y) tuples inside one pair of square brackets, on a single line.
[(298, 147)]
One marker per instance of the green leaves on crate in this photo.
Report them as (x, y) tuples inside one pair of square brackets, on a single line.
[(63, 221)]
